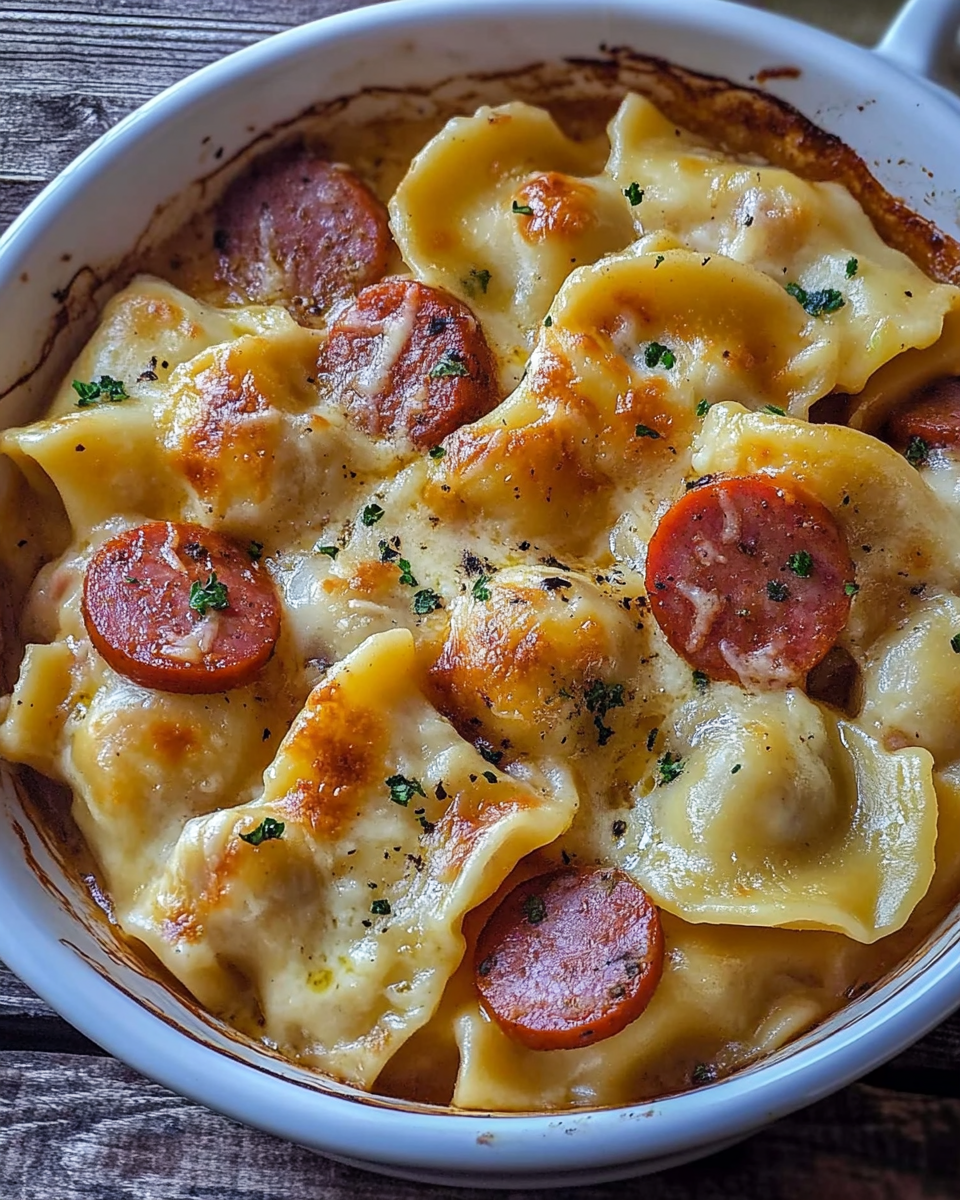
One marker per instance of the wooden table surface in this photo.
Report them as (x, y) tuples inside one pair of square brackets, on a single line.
[(76, 1124)]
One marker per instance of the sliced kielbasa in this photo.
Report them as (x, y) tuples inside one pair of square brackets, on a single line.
[(748, 579), (410, 358), (570, 958), (180, 608), (931, 414), (299, 230)]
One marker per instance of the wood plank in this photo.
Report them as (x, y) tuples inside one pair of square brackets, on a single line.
[(115, 1135)]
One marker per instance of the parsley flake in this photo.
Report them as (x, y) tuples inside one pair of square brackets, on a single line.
[(955, 643), (450, 365), (619, 828), (669, 768), (652, 738), (657, 355), (255, 551), (490, 777), (266, 831), (436, 453), (487, 752), (480, 591), (824, 300), (212, 594), (660, 259), (801, 563), (736, 769), (777, 590), (773, 410), (426, 601), (406, 575), (701, 680), (402, 789), (387, 552), (548, 320), (534, 909), (851, 589), (98, 390), (634, 193), (853, 266), (371, 514), (917, 451), (380, 908), (476, 280), (523, 209), (645, 431), (329, 551), (703, 1073), (703, 408)]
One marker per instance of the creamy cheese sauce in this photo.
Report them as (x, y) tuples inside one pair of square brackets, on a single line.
[(427, 733)]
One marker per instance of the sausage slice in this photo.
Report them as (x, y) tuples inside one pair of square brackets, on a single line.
[(570, 958), (746, 578), (180, 608), (932, 414), (299, 230), (409, 357)]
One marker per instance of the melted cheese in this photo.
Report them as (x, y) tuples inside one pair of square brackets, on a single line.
[(632, 289)]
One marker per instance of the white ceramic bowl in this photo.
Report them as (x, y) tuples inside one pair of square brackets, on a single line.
[(877, 102)]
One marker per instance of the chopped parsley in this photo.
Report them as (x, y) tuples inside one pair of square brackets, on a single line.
[(777, 590), (534, 909), (703, 408), (660, 259), (98, 390), (425, 601), (255, 551), (773, 410), (599, 698), (853, 266), (488, 753), (480, 591), (917, 451), (387, 552), (701, 680), (634, 193), (851, 589), (669, 768), (476, 279), (657, 355), (130, 579), (490, 777), (619, 828), (736, 769), (402, 789), (380, 908), (523, 209), (266, 831), (652, 738), (329, 551), (406, 575), (212, 594), (801, 563), (703, 1073), (449, 366), (646, 431), (371, 514), (436, 453), (824, 300), (548, 320), (955, 643)]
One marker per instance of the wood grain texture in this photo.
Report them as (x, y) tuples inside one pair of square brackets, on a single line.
[(74, 1128), (76, 1124)]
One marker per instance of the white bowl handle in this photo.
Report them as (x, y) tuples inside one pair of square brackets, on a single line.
[(922, 36)]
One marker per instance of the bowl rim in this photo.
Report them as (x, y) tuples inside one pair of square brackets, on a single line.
[(464, 1144)]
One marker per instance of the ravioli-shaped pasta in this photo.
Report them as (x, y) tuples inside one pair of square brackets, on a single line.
[(531, 663), (781, 814), (911, 680), (344, 926), (902, 538), (812, 235), (606, 413), (726, 997), (497, 209)]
